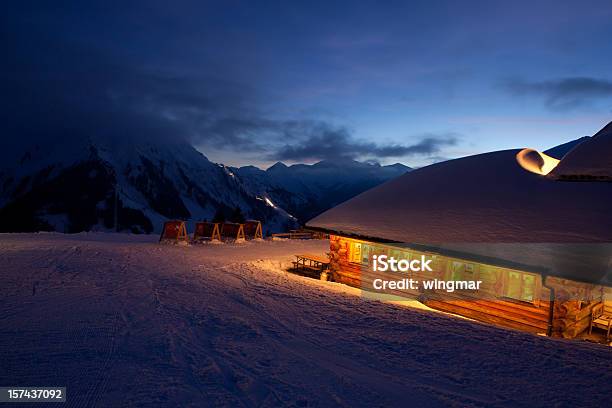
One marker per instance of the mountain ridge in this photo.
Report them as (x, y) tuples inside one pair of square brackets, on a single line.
[(305, 190), (76, 186)]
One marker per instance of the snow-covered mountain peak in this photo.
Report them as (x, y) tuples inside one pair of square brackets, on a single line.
[(305, 190), (278, 166), (73, 187)]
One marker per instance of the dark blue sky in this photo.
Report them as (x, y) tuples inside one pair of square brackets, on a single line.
[(255, 82)]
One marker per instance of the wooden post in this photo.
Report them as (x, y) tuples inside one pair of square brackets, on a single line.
[(240, 234), (216, 235)]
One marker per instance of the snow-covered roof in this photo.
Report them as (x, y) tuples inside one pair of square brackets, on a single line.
[(591, 159), (483, 198)]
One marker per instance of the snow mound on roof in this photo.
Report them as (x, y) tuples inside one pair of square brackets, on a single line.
[(482, 198), (536, 162), (558, 152), (591, 160)]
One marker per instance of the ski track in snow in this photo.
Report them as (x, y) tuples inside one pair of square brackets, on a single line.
[(124, 321)]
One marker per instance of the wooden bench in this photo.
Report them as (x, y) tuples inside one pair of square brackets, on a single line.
[(311, 264), (601, 318)]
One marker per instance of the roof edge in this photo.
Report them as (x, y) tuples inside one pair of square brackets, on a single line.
[(352, 235)]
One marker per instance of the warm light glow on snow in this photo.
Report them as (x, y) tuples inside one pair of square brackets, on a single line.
[(270, 203), (536, 162)]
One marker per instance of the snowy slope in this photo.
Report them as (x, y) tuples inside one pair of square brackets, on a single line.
[(123, 321), (71, 187), (307, 190)]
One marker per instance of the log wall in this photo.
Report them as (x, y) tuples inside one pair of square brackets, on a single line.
[(573, 300)]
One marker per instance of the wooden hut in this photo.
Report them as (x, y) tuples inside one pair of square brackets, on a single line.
[(207, 231), (174, 231), (233, 231), (541, 247), (253, 230)]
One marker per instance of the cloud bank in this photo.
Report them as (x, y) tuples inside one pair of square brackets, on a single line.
[(327, 143), (565, 93)]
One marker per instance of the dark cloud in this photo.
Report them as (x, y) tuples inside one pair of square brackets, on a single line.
[(324, 142), (565, 93), (85, 93), (58, 86)]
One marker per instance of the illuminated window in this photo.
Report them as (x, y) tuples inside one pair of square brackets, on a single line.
[(366, 251), (355, 252), (520, 286), (487, 274), (462, 271)]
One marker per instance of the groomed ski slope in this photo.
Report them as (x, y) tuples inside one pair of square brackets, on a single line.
[(123, 321)]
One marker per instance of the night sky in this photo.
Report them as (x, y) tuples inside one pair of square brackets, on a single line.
[(256, 82)]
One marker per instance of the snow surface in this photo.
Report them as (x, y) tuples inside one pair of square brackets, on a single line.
[(483, 198), (122, 321)]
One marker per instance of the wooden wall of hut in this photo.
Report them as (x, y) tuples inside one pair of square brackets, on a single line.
[(573, 300)]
